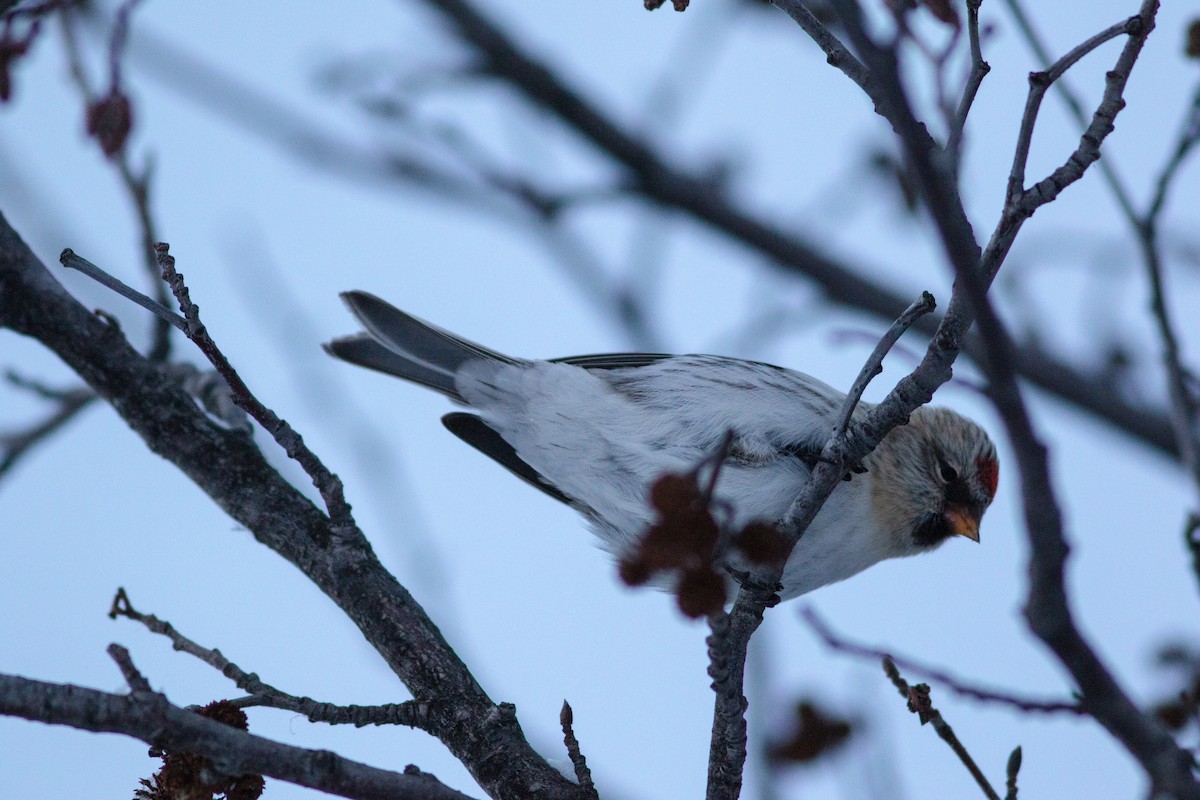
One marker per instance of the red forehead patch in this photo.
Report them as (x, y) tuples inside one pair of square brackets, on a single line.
[(989, 474)]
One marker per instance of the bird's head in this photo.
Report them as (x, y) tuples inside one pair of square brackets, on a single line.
[(932, 479)]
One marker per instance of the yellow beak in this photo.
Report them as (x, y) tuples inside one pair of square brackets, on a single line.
[(963, 523)]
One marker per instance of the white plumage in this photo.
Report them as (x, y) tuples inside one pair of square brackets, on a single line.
[(596, 431)]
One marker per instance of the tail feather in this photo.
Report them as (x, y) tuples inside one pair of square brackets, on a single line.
[(407, 335), (363, 350)]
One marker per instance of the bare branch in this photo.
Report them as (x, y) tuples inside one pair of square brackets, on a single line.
[(339, 560), (582, 773), (69, 259), (264, 695), (1039, 82), (920, 704), (831, 639), (979, 70), (874, 365), (148, 716)]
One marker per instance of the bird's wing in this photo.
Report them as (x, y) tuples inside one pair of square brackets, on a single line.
[(613, 360), (475, 432)]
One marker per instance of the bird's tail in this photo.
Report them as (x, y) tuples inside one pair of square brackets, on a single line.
[(402, 345)]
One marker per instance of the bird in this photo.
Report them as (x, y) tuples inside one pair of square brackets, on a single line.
[(596, 432)]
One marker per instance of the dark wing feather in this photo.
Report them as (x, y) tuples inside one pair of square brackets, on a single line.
[(613, 360), (475, 432)]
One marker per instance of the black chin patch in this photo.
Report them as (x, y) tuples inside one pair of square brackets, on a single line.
[(933, 529)]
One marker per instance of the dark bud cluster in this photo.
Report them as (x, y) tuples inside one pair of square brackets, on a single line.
[(653, 5), (188, 775), (687, 541), (815, 733)]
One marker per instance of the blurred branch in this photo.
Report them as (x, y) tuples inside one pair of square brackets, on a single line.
[(1047, 609), (100, 111), (1144, 225), (1179, 382), (920, 704), (335, 555), (979, 70), (148, 716), (647, 174), (836, 642), (68, 402)]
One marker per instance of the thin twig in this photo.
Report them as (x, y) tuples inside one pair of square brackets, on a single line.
[(136, 182), (1026, 704), (71, 260), (16, 444), (979, 70), (731, 632), (920, 704), (874, 365), (1184, 416), (327, 483), (1039, 82), (835, 52), (262, 694), (583, 773), (1191, 538), (136, 680)]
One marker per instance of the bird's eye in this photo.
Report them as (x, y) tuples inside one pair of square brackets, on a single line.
[(949, 473)]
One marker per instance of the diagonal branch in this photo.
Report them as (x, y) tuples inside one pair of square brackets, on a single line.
[(228, 466), (654, 177)]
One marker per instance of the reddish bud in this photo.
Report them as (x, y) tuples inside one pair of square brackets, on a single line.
[(700, 592), (634, 571), (1191, 46), (109, 120), (762, 543), (816, 732), (942, 10), (674, 494)]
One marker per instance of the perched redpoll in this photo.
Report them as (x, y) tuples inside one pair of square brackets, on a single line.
[(597, 431)]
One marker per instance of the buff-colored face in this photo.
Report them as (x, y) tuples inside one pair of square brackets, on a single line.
[(934, 479)]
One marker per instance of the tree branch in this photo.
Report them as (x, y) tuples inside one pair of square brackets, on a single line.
[(920, 704), (228, 466), (955, 685), (148, 716), (655, 178)]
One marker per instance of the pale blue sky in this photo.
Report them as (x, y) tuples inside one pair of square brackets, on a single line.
[(511, 577)]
